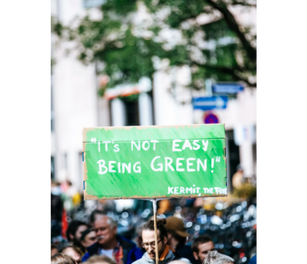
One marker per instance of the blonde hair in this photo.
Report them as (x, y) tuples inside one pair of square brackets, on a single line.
[(76, 249), (99, 260), (60, 258)]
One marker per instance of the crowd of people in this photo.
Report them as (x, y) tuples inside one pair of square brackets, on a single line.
[(98, 242)]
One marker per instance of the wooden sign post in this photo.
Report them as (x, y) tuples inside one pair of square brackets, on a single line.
[(154, 204)]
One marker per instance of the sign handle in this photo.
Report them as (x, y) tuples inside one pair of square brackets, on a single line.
[(154, 204)]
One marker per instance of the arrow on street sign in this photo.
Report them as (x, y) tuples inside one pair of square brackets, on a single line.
[(229, 88), (210, 103)]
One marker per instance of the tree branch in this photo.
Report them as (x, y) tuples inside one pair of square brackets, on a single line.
[(226, 70), (233, 25)]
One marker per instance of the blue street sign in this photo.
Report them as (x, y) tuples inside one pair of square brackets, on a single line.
[(228, 88), (210, 103)]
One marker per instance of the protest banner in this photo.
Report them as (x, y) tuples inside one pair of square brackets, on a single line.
[(146, 162)]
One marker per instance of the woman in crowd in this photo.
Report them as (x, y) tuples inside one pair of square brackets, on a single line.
[(73, 252)]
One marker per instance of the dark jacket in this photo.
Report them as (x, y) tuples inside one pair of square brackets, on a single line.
[(185, 251), (131, 251), (253, 260)]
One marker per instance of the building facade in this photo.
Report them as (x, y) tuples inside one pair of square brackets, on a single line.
[(165, 101)]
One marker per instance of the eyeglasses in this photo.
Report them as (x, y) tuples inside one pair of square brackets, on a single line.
[(152, 244)]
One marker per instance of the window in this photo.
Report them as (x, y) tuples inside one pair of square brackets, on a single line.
[(50, 168), (50, 105), (132, 112)]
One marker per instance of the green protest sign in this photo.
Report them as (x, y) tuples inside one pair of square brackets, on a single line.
[(154, 162)]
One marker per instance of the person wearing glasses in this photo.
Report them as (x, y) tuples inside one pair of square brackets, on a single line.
[(166, 254), (201, 247), (118, 248)]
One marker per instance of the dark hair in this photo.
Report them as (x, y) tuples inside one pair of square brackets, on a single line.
[(61, 259), (85, 233), (198, 241), (93, 215), (69, 182), (73, 227), (99, 259), (160, 226), (181, 240), (77, 250)]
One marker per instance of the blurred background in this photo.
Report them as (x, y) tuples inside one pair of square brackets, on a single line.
[(167, 62)]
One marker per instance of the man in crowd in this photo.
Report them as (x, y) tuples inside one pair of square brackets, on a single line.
[(177, 237), (108, 243), (165, 253), (201, 246)]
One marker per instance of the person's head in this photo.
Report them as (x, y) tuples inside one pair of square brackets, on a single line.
[(217, 258), (201, 246), (61, 259), (74, 230), (73, 252), (54, 250), (176, 233), (96, 259), (239, 167), (148, 237), (88, 238), (68, 182), (93, 216), (105, 228)]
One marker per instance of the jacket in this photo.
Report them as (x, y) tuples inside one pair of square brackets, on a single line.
[(185, 251), (168, 258), (253, 260), (130, 250)]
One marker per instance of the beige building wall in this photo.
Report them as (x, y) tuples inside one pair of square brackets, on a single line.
[(75, 102)]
